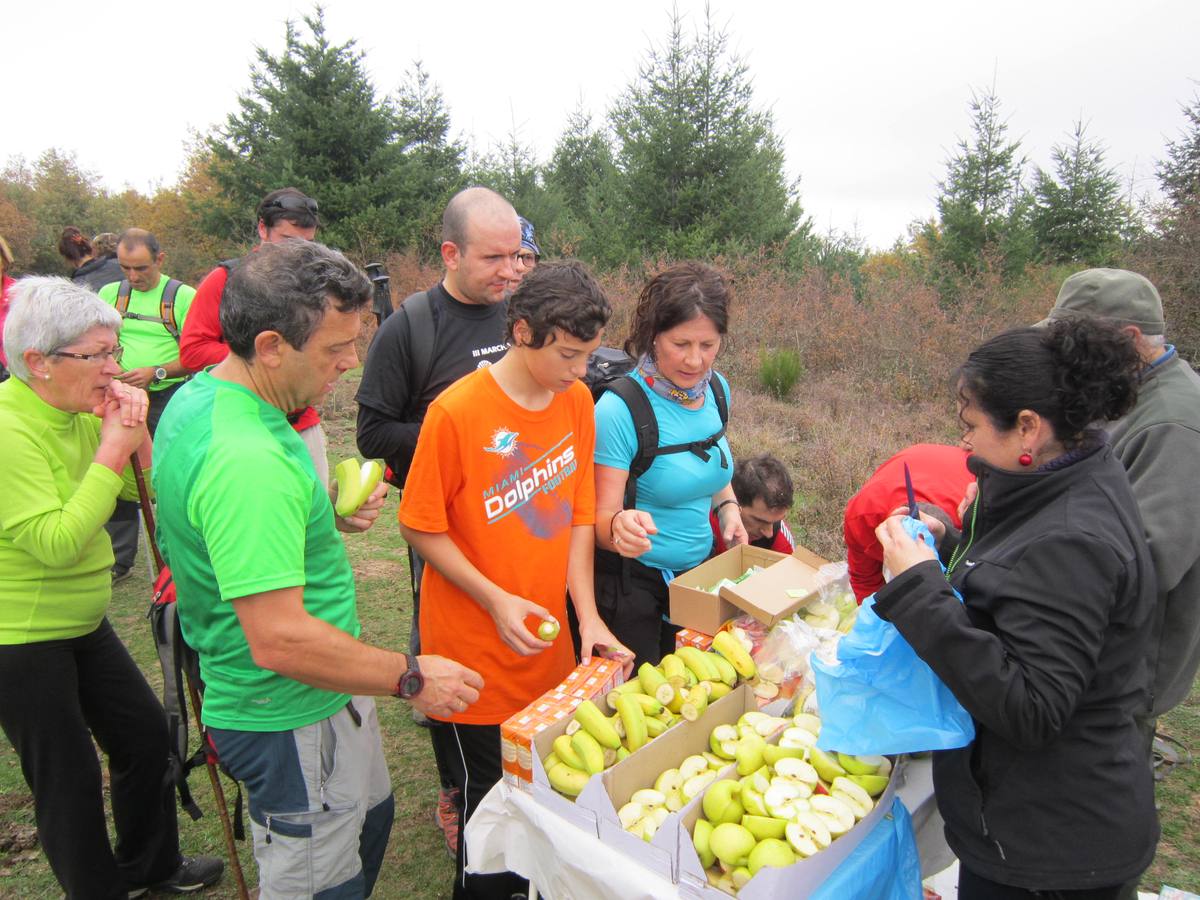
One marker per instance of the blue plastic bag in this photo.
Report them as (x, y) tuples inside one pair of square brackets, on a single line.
[(885, 866), (882, 698)]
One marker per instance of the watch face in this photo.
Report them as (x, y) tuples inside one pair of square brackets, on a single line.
[(410, 684)]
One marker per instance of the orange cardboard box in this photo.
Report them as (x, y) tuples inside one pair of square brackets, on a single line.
[(688, 637), (585, 682)]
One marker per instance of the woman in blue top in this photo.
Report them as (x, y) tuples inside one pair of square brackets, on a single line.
[(681, 319)]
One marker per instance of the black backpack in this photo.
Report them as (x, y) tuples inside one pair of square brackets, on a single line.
[(608, 370)]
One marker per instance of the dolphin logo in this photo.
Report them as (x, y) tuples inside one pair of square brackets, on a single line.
[(504, 443)]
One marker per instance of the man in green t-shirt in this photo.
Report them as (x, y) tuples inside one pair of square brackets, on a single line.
[(150, 331), (266, 593)]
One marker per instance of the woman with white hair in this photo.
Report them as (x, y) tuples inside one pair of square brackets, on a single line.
[(67, 432)]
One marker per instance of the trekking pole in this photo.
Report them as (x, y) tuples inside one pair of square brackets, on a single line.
[(235, 863)]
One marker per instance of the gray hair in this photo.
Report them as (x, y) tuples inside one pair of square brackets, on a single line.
[(49, 313), (286, 288)]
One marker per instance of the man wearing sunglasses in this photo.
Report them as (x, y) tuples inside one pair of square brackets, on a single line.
[(285, 214)]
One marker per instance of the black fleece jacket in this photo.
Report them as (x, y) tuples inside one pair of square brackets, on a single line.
[(1048, 653)]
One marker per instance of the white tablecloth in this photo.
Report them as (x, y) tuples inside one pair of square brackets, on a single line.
[(512, 831)]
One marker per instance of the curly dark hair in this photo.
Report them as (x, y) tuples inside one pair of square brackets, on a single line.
[(558, 295), (674, 296), (763, 477), (1073, 373), (288, 287)]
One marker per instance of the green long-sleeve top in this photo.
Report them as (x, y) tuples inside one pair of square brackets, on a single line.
[(55, 556)]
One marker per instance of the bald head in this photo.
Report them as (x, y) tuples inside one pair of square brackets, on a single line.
[(471, 207)]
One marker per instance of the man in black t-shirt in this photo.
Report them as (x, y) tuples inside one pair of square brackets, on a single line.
[(432, 340)]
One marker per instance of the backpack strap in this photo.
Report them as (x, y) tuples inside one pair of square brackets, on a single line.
[(422, 333), (166, 307), (124, 289)]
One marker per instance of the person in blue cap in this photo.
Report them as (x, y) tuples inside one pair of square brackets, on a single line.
[(529, 254)]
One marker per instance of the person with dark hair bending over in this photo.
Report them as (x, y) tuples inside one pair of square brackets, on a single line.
[(764, 493), (89, 267), (1047, 650), (681, 319)]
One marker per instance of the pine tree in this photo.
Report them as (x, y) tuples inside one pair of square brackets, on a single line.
[(983, 207), (311, 119), (703, 169), (1179, 173), (1079, 213)]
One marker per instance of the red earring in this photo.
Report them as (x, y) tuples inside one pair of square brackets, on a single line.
[(1025, 459)]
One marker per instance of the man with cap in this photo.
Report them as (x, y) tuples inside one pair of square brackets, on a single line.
[(284, 214), (1158, 443), (530, 253)]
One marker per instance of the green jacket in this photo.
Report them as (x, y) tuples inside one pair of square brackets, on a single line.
[(1159, 445), (55, 556)]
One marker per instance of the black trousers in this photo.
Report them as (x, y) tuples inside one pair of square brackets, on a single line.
[(975, 887), (472, 756), (55, 696), (632, 599)]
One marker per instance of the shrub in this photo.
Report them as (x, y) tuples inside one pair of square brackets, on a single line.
[(778, 371)]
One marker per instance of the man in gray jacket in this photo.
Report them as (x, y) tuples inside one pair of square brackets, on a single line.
[(1158, 443)]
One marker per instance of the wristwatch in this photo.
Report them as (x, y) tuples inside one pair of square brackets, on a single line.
[(160, 374), (411, 682)]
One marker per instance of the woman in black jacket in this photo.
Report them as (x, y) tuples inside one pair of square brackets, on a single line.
[(1049, 649)]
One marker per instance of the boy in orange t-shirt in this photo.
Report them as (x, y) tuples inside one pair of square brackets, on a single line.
[(500, 502)]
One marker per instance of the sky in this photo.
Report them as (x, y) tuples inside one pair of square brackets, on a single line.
[(869, 98)]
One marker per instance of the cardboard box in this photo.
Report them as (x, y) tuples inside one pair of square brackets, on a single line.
[(686, 637), (764, 595), (800, 879), (612, 789), (693, 607), (553, 709)]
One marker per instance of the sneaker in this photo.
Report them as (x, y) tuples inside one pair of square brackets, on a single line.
[(446, 816), (194, 874), (120, 575)]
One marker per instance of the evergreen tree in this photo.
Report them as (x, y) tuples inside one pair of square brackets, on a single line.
[(433, 163), (311, 119), (983, 207), (583, 176), (702, 168), (1079, 213), (1179, 173)]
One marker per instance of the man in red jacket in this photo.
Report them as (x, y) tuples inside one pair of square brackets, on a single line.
[(283, 215), (939, 477)]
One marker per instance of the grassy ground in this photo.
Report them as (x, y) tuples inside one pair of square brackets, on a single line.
[(810, 432)]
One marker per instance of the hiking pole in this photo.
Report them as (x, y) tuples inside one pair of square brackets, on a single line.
[(235, 863)]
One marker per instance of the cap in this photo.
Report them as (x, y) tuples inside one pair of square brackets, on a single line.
[(1110, 294), (527, 240)]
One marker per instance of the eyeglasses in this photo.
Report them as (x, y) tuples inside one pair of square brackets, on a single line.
[(528, 260), (103, 356), (292, 203)]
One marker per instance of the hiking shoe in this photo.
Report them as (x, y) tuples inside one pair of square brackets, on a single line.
[(195, 874), (446, 816), (119, 575)]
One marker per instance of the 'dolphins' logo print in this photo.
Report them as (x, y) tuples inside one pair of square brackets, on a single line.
[(504, 443)]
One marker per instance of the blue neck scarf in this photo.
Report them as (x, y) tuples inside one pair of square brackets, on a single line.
[(664, 387)]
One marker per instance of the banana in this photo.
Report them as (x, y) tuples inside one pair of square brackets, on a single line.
[(719, 690), (697, 662), (655, 726), (597, 725), (634, 720), (590, 751), (733, 651), (694, 704), (654, 683), (355, 483), (566, 752), (567, 779), (728, 673), (672, 666)]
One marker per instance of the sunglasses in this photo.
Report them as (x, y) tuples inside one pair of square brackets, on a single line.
[(292, 204)]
